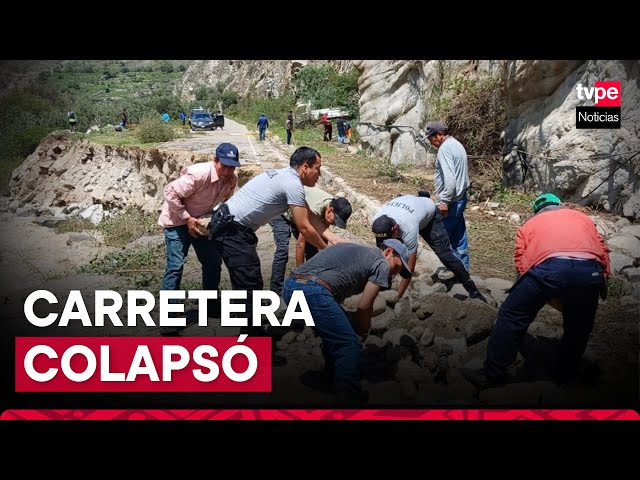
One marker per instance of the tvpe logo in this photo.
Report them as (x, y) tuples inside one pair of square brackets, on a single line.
[(605, 111)]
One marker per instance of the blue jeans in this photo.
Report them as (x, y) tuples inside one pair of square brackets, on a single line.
[(263, 133), (281, 235), (457, 230), (340, 343), (178, 241), (576, 282)]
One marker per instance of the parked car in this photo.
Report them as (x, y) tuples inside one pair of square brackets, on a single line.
[(202, 121), (194, 111)]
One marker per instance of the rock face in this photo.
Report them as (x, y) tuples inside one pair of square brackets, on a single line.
[(541, 98), (264, 78), (392, 104), (542, 101)]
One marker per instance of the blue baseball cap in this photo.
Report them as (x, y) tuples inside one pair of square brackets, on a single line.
[(402, 251), (228, 154)]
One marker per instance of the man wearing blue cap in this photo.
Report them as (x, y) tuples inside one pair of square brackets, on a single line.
[(192, 195), (328, 278)]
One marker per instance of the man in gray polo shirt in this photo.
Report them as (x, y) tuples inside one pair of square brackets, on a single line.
[(265, 196), (451, 182), (408, 216), (327, 279)]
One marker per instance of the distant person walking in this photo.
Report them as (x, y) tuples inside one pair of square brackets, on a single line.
[(262, 124), (165, 117), (347, 130), (71, 115), (124, 119), (289, 127), (183, 117), (328, 127), (342, 130)]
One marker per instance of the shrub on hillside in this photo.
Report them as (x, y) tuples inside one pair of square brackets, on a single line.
[(152, 129), (249, 109), (473, 108)]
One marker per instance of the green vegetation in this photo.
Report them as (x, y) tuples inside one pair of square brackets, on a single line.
[(144, 265), (29, 114), (474, 108), (212, 98), (118, 230), (74, 224), (127, 226), (248, 109), (324, 87), (96, 91), (617, 287), (153, 129)]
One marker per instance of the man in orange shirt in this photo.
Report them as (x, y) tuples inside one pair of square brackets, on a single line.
[(561, 259)]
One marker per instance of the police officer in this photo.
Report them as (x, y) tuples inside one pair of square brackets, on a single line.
[(262, 198)]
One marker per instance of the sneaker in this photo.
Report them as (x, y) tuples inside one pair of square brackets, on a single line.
[(445, 275), (478, 296), (479, 378)]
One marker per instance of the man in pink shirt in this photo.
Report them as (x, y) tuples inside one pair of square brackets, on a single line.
[(199, 188)]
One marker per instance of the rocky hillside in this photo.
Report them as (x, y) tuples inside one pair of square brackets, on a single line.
[(540, 100), (267, 78)]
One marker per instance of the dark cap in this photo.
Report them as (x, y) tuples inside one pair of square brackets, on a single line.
[(401, 250), (342, 211), (382, 228), (228, 154), (434, 127)]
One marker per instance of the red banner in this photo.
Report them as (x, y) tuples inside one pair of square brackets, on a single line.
[(328, 414)]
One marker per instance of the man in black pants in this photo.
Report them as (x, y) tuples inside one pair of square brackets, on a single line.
[(408, 216), (331, 211), (233, 224)]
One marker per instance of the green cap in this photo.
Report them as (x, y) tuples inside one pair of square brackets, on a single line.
[(545, 200)]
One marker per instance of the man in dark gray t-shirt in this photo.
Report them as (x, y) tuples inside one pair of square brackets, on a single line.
[(332, 275)]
